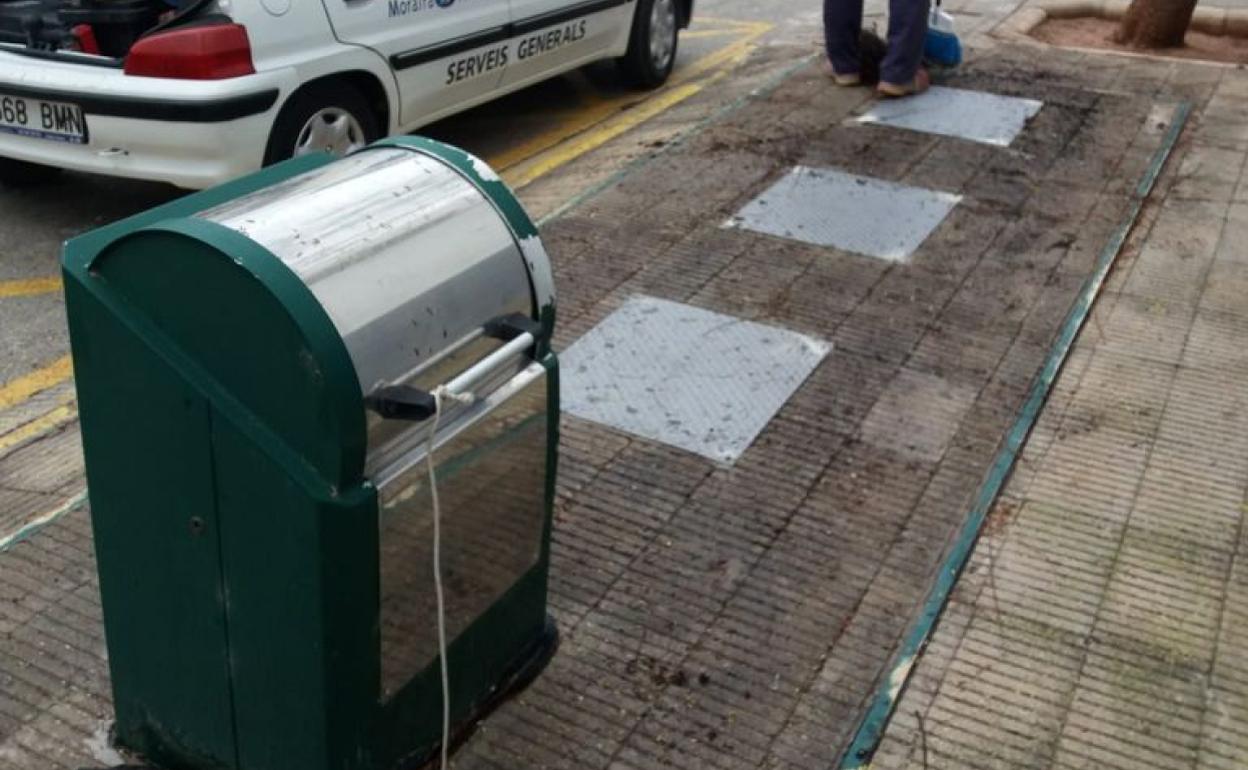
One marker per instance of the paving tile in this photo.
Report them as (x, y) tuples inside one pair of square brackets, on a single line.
[(1217, 341), (1162, 276), (1208, 409), (1188, 229), (1143, 327), (47, 465), (1122, 392), (1222, 129), (1224, 741), (34, 407), (1131, 711), (917, 415), (1052, 568), (17, 507), (862, 151), (1168, 593), (947, 166), (1208, 173), (1193, 494), (1091, 468), (1233, 246), (1227, 291)]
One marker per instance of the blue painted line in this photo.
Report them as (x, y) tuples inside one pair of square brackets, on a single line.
[(888, 691)]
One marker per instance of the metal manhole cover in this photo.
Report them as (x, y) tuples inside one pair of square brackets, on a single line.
[(705, 382), (973, 115), (858, 214)]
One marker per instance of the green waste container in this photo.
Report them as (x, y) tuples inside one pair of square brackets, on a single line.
[(255, 366)]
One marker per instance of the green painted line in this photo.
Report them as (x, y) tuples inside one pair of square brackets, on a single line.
[(888, 691), (42, 520), (589, 193)]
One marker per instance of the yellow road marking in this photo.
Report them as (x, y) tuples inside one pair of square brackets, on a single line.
[(574, 148), (39, 426), (589, 129), (602, 109), (705, 33), (18, 390), (721, 21), (725, 27), (27, 287)]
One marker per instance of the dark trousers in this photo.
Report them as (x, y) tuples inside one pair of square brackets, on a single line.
[(907, 27)]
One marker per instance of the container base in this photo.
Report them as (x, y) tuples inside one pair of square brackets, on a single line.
[(527, 667)]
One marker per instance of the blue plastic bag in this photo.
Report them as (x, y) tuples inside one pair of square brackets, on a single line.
[(941, 47)]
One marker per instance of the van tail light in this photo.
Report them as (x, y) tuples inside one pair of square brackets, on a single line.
[(202, 52)]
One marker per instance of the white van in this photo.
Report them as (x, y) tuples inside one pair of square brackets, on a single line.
[(195, 92)]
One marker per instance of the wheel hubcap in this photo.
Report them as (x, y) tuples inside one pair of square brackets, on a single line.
[(332, 130), (662, 33)]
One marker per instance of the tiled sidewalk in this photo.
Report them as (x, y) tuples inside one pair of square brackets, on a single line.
[(739, 617), (1103, 620), (736, 616)]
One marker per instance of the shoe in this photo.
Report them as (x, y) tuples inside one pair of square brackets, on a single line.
[(922, 81), (847, 80)]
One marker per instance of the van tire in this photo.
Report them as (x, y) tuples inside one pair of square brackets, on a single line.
[(19, 173), (652, 44), (335, 100)]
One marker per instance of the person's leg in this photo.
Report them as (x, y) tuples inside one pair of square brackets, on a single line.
[(907, 29), (842, 23)]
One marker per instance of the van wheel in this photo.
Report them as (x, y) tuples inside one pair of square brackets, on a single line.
[(324, 117), (19, 173), (652, 45)]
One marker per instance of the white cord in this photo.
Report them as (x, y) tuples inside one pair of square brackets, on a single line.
[(440, 393)]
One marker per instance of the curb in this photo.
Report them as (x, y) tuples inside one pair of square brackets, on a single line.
[(879, 708), (1019, 25)]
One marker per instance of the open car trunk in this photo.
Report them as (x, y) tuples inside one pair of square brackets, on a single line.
[(103, 27)]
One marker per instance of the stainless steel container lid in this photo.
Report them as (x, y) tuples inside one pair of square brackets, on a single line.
[(406, 254)]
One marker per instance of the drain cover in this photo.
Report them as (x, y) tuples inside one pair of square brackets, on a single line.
[(973, 115), (705, 382), (852, 213)]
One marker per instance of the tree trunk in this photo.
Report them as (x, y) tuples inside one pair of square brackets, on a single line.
[(1156, 23)]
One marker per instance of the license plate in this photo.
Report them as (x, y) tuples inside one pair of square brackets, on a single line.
[(58, 121)]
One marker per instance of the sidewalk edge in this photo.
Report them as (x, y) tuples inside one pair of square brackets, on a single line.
[(892, 684)]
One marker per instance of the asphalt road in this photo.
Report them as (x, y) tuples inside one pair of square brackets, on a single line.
[(35, 222)]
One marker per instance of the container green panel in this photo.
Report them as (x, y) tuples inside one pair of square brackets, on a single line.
[(248, 359), (300, 573), (255, 331), (138, 412)]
